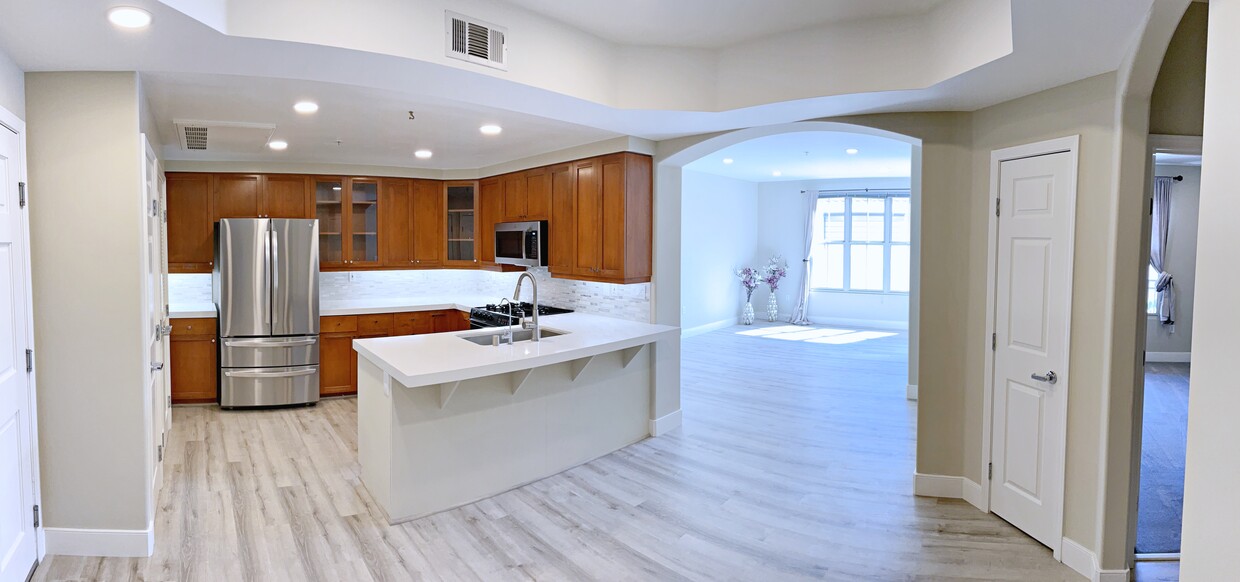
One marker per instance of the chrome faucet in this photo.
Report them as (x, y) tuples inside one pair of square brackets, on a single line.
[(516, 296), (507, 335)]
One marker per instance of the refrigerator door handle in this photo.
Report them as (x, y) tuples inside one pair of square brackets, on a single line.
[(264, 344), (275, 270), (278, 374)]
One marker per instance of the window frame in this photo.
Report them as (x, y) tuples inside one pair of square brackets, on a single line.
[(888, 196)]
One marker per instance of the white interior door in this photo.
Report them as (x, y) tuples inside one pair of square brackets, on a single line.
[(1032, 302), (154, 308), (18, 550)]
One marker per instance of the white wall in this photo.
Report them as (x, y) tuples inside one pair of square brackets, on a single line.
[(1181, 261), (720, 235), (85, 230), (12, 87), (1211, 506), (781, 220)]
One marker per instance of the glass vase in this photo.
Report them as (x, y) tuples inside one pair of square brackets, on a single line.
[(772, 307), (747, 313)]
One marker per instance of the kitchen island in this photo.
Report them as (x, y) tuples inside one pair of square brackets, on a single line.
[(443, 421)]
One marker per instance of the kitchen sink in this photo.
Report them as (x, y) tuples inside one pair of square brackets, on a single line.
[(518, 335)]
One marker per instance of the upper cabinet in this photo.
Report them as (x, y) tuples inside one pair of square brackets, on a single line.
[(411, 222), (462, 202), (599, 212), (286, 196), (527, 195), (190, 231), (614, 220)]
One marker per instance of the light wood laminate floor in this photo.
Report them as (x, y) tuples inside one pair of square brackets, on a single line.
[(795, 462)]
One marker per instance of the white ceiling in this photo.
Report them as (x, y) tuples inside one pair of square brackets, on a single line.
[(1054, 42), (810, 155), (372, 125), (711, 23)]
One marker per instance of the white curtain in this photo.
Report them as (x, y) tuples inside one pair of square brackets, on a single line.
[(800, 315), (1158, 251)]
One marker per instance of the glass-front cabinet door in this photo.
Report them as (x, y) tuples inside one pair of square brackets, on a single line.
[(363, 222), (460, 231), (329, 209)]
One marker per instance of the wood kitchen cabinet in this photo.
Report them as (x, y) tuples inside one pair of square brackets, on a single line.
[(236, 195), (192, 360), (348, 210), (412, 222), (527, 195), (563, 221), (462, 210), (338, 359), (490, 212), (286, 196), (613, 216), (190, 229)]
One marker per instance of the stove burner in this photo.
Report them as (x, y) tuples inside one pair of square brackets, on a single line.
[(498, 315)]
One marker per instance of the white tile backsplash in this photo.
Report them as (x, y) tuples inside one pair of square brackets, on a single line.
[(630, 302)]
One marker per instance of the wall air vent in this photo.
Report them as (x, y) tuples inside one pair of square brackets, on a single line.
[(473, 40), (222, 136)]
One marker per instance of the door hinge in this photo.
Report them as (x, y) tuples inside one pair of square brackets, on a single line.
[(990, 471), (1151, 207), (160, 450), (21, 195), (154, 208), (29, 361), (36, 516), (994, 341), (996, 207)]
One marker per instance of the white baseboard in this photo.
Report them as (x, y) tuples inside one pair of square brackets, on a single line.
[(861, 323), (938, 486), (665, 424), (108, 543), (1169, 357), (971, 491), (701, 329), (1085, 563), (910, 392)]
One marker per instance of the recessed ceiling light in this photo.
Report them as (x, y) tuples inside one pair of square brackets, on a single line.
[(129, 17), (777, 173), (423, 154), (727, 160), (305, 107), (851, 151), (278, 145), (490, 129)]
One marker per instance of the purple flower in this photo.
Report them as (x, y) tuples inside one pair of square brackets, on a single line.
[(749, 277), (774, 271)]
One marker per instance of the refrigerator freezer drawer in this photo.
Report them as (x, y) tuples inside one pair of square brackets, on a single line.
[(257, 352), (245, 387)]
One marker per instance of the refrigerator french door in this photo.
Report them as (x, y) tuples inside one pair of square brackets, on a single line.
[(266, 289)]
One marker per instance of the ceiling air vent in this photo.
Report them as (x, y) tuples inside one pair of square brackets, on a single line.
[(222, 136), (478, 42)]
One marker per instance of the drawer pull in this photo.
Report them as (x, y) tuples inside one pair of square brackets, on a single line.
[(262, 344), (280, 374)]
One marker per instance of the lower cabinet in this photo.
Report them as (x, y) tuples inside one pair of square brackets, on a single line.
[(192, 359), (193, 354), (338, 360)]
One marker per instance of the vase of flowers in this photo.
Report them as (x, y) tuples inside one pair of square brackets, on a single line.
[(749, 281), (776, 269)]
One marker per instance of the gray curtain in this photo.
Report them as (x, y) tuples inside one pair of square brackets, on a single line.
[(800, 315), (1158, 250)]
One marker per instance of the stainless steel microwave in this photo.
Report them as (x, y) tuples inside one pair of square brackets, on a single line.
[(521, 243)]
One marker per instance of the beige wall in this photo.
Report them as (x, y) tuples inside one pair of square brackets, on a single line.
[(85, 211), (1178, 102), (12, 87)]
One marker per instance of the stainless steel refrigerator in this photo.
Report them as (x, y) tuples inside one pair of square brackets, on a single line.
[(265, 284)]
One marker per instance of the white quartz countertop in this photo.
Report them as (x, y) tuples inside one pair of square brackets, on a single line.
[(424, 360), (360, 306)]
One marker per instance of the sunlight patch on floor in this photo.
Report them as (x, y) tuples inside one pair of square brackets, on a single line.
[(815, 335)]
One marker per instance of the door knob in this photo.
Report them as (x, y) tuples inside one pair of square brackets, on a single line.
[(1049, 378), (157, 366)]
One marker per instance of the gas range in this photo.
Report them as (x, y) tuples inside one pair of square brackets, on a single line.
[(492, 315)]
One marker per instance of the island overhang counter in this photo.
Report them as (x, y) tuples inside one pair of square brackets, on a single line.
[(443, 421)]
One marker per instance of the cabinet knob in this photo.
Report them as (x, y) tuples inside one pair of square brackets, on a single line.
[(213, 341)]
